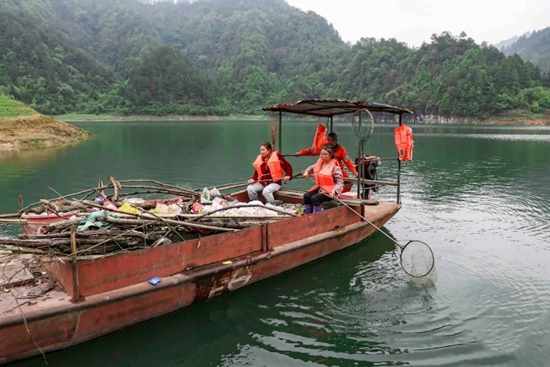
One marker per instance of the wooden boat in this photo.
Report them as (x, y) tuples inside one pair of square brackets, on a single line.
[(99, 296)]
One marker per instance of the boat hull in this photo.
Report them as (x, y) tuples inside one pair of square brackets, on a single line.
[(56, 323)]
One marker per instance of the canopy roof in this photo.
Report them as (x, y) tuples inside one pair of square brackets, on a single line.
[(331, 107)]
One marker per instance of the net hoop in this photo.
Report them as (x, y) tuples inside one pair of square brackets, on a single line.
[(417, 260), (364, 130)]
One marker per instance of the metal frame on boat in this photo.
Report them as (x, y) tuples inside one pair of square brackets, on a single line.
[(99, 296), (329, 109)]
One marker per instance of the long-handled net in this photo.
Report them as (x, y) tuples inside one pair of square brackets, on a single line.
[(417, 259)]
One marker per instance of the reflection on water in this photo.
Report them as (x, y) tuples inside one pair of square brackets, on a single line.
[(477, 195), (14, 164)]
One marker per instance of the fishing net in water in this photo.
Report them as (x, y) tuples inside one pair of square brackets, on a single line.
[(417, 259)]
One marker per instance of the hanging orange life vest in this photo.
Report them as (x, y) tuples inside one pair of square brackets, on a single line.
[(323, 176), (404, 142), (273, 164), (320, 139)]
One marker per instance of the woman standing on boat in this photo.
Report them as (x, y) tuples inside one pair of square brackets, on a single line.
[(268, 175), (328, 176)]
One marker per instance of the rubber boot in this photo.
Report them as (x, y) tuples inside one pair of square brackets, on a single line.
[(318, 208), (309, 208)]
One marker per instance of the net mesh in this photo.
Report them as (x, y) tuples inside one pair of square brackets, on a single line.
[(417, 259)]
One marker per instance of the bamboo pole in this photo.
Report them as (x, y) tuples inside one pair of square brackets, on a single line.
[(12, 215), (74, 267), (241, 184), (13, 221)]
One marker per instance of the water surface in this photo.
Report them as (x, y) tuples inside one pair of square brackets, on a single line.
[(478, 195)]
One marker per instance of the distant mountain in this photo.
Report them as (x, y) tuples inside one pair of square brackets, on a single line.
[(510, 41), (534, 48), (236, 56)]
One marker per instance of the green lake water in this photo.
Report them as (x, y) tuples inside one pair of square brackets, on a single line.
[(478, 195)]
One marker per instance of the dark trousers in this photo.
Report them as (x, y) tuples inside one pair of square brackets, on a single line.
[(315, 198)]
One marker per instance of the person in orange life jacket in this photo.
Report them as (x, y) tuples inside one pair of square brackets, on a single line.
[(340, 154), (268, 175), (328, 176)]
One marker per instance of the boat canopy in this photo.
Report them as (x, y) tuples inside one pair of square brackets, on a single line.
[(332, 107)]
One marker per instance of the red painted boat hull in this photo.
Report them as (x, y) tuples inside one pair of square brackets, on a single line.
[(114, 292)]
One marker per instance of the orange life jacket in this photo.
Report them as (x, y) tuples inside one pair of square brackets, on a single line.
[(323, 176), (404, 142), (320, 139), (273, 164)]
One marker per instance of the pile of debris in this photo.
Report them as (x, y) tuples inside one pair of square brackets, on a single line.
[(97, 224)]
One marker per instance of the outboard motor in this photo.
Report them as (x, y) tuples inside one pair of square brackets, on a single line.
[(368, 172)]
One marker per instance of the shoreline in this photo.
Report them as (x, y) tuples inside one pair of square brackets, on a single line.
[(515, 119), (73, 117), (36, 132)]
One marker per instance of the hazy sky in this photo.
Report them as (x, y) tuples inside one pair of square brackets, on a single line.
[(414, 21)]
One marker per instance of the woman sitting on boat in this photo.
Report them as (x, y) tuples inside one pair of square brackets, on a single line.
[(340, 154), (328, 176), (268, 175)]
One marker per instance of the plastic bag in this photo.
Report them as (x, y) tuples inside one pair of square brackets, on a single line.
[(167, 210), (129, 208), (218, 203), (205, 196), (197, 207)]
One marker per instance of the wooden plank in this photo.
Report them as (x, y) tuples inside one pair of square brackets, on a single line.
[(281, 194), (373, 182)]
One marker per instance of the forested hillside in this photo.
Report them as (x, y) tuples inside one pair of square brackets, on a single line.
[(534, 47), (235, 56)]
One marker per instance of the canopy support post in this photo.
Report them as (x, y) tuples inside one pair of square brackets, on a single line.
[(280, 132)]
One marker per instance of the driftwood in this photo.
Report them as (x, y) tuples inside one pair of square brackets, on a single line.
[(163, 189), (99, 189), (145, 205), (22, 249), (55, 242), (127, 231), (190, 192), (174, 222), (94, 233), (116, 187), (63, 225)]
